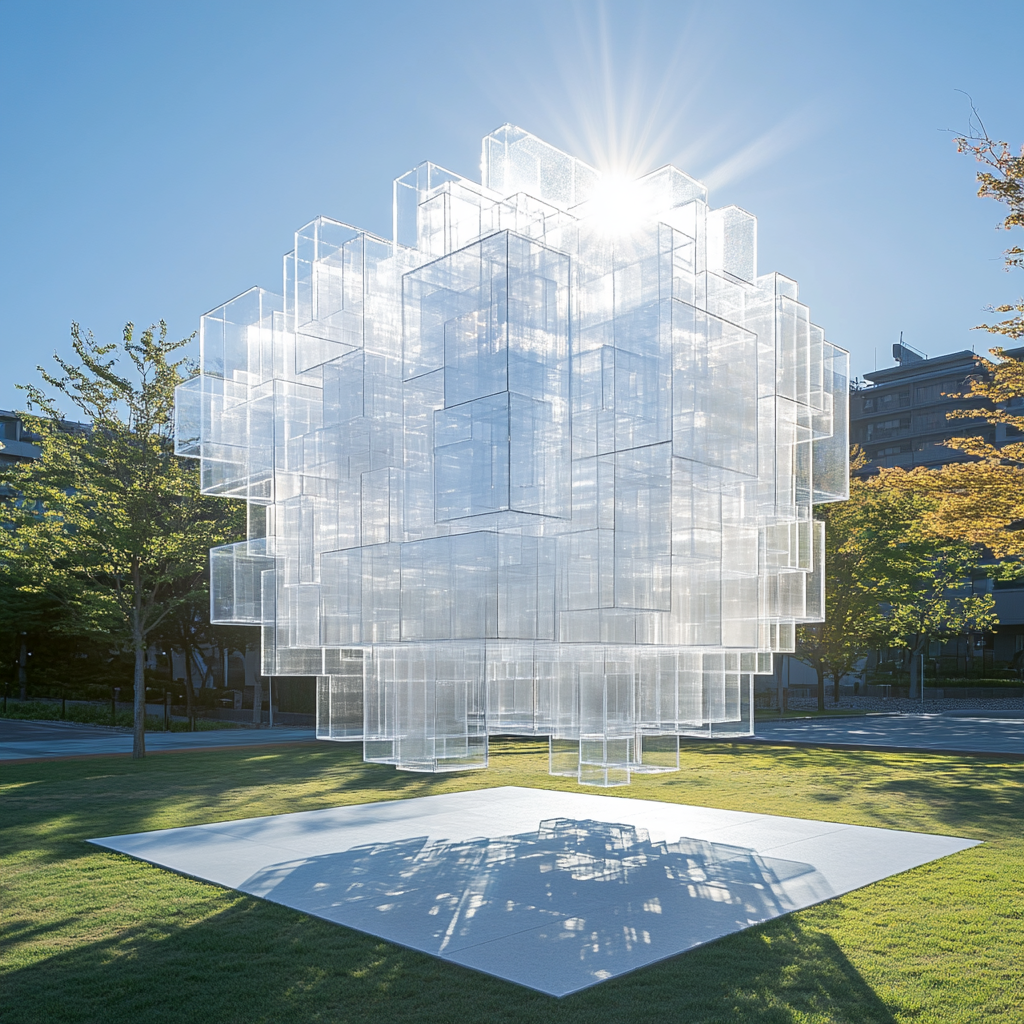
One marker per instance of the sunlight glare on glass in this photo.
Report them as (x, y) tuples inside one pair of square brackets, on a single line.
[(617, 206)]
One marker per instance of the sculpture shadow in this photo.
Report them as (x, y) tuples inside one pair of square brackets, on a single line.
[(253, 960), (541, 907)]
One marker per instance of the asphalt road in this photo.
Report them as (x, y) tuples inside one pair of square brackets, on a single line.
[(20, 740), (958, 733), (979, 734)]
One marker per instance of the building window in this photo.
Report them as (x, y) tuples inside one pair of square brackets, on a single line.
[(931, 420), (887, 428), (904, 398), (926, 393), (869, 405)]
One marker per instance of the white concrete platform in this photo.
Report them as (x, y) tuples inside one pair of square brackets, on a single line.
[(554, 891)]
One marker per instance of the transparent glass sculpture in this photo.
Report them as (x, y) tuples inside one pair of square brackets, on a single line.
[(544, 464)]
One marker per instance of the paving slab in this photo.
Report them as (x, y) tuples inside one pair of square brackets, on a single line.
[(939, 732), (554, 891), (21, 740)]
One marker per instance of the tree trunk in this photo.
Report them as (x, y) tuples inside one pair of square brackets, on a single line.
[(819, 670), (257, 702), (23, 670), (915, 672), (139, 735), (190, 696), (139, 638)]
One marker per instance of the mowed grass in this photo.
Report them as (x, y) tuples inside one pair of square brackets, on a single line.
[(91, 936)]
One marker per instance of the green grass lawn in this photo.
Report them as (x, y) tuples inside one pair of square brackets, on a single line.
[(95, 937)]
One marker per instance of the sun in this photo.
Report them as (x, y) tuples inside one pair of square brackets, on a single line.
[(617, 206)]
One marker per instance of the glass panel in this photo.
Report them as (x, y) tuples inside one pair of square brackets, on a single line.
[(543, 463)]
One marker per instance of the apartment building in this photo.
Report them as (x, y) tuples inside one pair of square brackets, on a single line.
[(899, 416), (18, 443)]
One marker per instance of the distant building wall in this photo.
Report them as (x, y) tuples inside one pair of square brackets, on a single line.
[(18, 443), (899, 417)]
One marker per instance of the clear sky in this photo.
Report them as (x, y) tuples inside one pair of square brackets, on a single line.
[(157, 157)]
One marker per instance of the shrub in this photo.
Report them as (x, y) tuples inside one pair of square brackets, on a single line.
[(96, 714)]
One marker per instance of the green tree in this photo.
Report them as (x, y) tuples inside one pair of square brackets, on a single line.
[(890, 580), (113, 524), (39, 637), (26, 620), (188, 629), (854, 622), (924, 581)]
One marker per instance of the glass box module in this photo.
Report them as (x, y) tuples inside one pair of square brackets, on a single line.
[(544, 463)]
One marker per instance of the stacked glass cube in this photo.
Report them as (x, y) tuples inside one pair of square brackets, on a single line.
[(543, 464)]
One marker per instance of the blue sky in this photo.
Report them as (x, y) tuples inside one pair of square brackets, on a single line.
[(157, 157)]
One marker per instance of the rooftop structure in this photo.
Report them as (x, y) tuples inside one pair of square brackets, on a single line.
[(543, 463)]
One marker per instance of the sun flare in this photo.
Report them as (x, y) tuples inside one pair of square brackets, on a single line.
[(617, 206)]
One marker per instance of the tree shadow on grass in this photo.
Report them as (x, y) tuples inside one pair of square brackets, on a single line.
[(215, 955), (252, 961), (967, 797), (976, 797), (62, 802)]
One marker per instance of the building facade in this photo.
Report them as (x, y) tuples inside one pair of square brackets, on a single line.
[(19, 445), (900, 419)]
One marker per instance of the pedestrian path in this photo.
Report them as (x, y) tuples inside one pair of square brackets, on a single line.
[(21, 740)]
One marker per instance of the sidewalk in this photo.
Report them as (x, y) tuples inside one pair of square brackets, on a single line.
[(21, 740)]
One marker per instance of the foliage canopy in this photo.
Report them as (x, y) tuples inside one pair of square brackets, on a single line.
[(109, 522)]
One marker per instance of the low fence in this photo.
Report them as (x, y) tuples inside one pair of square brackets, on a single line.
[(244, 717)]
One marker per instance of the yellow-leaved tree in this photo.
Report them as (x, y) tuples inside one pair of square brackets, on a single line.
[(889, 581)]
